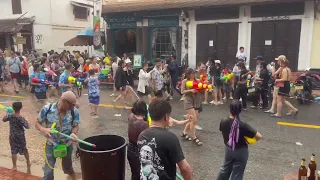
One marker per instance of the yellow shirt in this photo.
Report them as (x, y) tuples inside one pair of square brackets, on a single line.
[(107, 60)]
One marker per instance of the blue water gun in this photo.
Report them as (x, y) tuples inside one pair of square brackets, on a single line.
[(9, 110)]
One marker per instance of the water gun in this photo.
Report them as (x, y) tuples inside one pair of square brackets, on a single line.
[(317, 99), (248, 80), (198, 85), (102, 76), (42, 81), (250, 140), (6, 108), (76, 81), (227, 77), (54, 131), (148, 117), (204, 78)]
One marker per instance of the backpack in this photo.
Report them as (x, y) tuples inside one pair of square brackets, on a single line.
[(72, 114)]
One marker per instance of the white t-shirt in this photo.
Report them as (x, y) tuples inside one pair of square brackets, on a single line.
[(114, 67), (30, 71)]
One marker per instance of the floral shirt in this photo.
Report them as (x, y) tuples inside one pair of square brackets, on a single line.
[(157, 77), (53, 117), (42, 76), (93, 86), (64, 80)]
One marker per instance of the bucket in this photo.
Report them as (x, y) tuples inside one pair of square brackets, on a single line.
[(106, 161)]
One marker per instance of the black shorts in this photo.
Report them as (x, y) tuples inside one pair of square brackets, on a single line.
[(146, 92), (285, 90), (119, 88), (40, 95), (218, 83)]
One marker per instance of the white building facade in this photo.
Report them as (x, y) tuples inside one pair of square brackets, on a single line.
[(245, 23), (53, 21)]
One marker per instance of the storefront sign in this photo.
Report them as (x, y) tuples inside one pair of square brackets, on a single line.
[(21, 40), (164, 22), (275, 18), (137, 61), (121, 22), (96, 33)]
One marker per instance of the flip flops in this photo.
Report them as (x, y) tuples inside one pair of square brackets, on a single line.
[(275, 116)]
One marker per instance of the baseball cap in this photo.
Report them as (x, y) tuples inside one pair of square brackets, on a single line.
[(259, 58), (127, 61), (280, 57), (217, 61)]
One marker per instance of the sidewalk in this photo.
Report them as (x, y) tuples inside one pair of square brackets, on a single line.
[(36, 171)]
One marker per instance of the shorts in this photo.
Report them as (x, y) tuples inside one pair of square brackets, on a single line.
[(227, 87), (285, 90), (14, 75), (24, 78), (147, 91), (192, 103), (119, 89), (40, 95), (94, 100), (218, 83)]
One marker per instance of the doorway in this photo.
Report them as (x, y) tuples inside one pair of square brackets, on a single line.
[(125, 42), (273, 38), (218, 41)]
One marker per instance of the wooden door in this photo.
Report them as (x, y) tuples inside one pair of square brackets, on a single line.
[(273, 38), (205, 34), (224, 41)]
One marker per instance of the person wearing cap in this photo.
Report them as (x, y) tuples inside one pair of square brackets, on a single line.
[(67, 118), (64, 84), (192, 104), (129, 78), (94, 65)]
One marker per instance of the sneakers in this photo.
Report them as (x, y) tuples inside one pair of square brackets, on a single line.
[(171, 98), (213, 102), (220, 102), (231, 98), (117, 115), (198, 128), (224, 98), (205, 102), (112, 95)]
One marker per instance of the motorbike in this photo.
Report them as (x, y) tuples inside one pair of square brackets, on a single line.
[(303, 87)]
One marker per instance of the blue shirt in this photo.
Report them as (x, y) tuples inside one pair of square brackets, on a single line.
[(64, 80), (14, 64), (53, 117), (93, 86), (39, 75)]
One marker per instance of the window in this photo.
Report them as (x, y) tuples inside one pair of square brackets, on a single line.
[(16, 7), (80, 12), (163, 42)]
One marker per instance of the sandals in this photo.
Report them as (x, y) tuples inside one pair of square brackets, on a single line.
[(186, 137), (275, 116), (293, 113), (269, 111), (197, 141)]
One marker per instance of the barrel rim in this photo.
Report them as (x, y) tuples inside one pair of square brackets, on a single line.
[(115, 149)]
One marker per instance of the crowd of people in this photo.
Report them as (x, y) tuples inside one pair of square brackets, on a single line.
[(153, 151)]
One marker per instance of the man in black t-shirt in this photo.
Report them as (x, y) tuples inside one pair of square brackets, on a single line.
[(159, 148)]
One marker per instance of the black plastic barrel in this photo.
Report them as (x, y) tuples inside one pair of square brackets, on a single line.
[(106, 161)]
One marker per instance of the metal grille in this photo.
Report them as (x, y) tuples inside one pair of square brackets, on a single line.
[(163, 42)]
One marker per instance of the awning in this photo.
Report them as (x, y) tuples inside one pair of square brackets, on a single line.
[(82, 41), (14, 25), (85, 4), (88, 32), (142, 5)]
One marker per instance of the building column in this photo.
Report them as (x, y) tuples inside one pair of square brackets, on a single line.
[(244, 33), (145, 39), (192, 40), (306, 36)]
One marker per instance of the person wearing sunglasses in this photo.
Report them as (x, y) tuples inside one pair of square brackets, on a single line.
[(67, 118)]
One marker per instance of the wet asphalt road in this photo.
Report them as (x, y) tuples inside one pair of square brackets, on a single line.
[(271, 158)]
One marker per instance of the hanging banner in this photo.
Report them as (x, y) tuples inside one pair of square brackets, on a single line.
[(96, 33)]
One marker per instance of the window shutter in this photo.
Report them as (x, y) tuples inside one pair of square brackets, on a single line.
[(16, 7)]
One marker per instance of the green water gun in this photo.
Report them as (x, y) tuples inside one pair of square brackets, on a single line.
[(54, 131), (179, 176), (6, 108)]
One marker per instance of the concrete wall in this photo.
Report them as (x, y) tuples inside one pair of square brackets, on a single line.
[(54, 22), (315, 53)]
